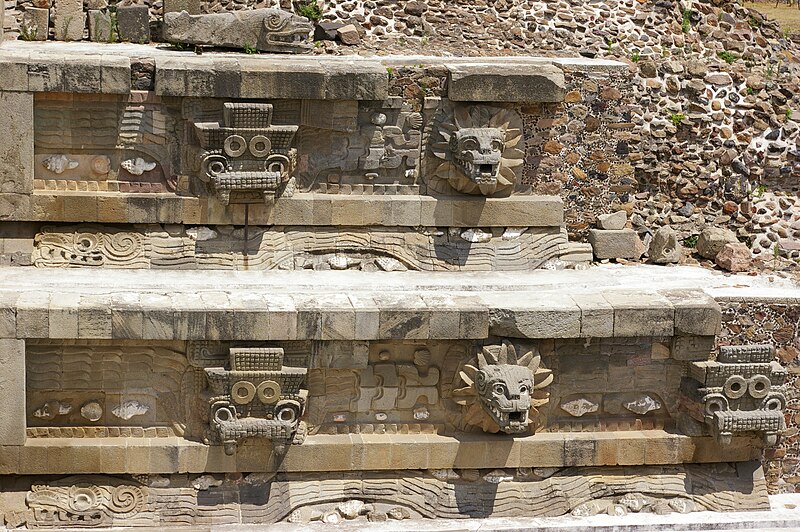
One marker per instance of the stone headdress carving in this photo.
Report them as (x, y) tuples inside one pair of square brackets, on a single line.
[(503, 392), (478, 145)]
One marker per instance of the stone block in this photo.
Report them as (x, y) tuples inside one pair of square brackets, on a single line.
[(69, 20), (734, 258), (616, 244), (176, 6), (696, 313), (613, 221), (641, 314), (32, 314), (597, 316), (35, 24), (133, 23), (16, 144), (528, 315), (12, 391), (665, 248), (508, 82), (713, 239), (99, 25)]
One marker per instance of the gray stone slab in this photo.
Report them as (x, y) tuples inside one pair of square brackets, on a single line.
[(69, 20), (696, 313), (100, 25), (133, 23), (176, 6), (35, 23), (483, 82), (16, 143), (12, 391), (641, 314), (530, 315), (616, 244)]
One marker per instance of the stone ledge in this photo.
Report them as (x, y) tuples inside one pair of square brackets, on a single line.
[(370, 452), (302, 209), (124, 305), (106, 68)]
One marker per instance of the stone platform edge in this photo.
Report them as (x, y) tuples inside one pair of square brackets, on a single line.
[(309, 209), (106, 69), (370, 452), (114, 312)]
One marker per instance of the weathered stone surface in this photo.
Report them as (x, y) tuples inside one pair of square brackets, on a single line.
[(268, 30), (69, 20), (326, 31), (734, 257), (483, 82), (614, 220), (133, 23), (12, 391), (99, 26), (176, 6), (348, 34), (713, 239), (35, 23), (16, 143), (665, 248), (616, 244)]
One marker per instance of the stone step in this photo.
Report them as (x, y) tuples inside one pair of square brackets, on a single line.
[(217, 305)]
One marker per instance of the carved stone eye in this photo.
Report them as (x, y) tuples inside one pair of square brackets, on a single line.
[(523, 389), (469, 144), (499, 389), (497, 145), (273, 22)]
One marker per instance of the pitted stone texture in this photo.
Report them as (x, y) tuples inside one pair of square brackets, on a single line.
[(12, 391), (613, 221), (734, 258), (69, 20), (713, 239), (190, 6), (36, 21), (16, 146), (515, 83), (134, 23), (665, 248), (268, 30), (616, 244), (99, 25)]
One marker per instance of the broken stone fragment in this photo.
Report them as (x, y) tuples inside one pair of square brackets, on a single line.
[(579, 407), (734, 258), (133, 23), (713, 239), (268, 30), (35, 22), (664, 248), (616, 244), (615, 220), (349, 35)]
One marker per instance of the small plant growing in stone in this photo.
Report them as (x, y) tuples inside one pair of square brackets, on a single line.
[(677, 118), (776, 256), (27, 31), (788, 114), (753, 22), (113, 35), (635, 56), (310, 10), (690, 241), (759, 190), (248, 49), (727, 56), (390, 71), (686, 23)]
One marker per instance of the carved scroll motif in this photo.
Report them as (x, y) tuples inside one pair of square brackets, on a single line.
[(88, 246)]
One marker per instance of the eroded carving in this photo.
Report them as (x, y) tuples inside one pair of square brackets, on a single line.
[(269, 30), (479, 147), (503, 392), (245, 152), (85, 246), (83, 502), (257, 397), (741, 391)]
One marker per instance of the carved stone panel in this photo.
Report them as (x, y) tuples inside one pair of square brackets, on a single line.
[(474, 149), (741, 391)]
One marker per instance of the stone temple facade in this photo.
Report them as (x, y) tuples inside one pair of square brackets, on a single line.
[(311, 371)]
